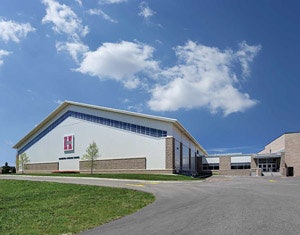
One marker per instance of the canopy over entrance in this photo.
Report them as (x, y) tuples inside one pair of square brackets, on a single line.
[(268, 162), (267, 155)]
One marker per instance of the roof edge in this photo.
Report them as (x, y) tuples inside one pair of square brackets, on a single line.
[(42, 123), (120, 111), (67, 103), (178, 124)]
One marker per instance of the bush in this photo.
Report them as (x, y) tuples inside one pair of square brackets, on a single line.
[(6, 169)]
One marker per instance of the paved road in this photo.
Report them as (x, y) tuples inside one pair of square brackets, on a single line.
[(219, 205)]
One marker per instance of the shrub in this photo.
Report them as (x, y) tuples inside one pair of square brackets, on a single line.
[(6, 169)]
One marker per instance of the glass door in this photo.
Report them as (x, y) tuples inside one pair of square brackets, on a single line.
[(267, 165)]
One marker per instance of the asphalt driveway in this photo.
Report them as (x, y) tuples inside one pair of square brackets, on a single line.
[(218, 205)]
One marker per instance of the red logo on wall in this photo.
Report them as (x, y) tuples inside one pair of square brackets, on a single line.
[(69, 143)]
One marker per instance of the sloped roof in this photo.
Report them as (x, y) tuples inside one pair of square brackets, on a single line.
[(65, 104)]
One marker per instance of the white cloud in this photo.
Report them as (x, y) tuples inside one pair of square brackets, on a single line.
[(102, 14), (232, 150), (146, 11), (75, 49), (64, 20), (13, 31), (123, 61), (246, 55), (111, 1), (2, 54), (136, 108), (204, 77)]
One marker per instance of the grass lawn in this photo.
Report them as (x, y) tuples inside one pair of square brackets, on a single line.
[(28, 207), (128, 176)]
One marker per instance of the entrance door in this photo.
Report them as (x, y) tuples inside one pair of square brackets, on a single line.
[(268, 167), (290, 171)]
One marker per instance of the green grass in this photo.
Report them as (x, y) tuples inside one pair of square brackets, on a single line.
[(51, 208), (128, 176)]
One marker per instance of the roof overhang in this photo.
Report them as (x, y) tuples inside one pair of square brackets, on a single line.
[(269, 155)]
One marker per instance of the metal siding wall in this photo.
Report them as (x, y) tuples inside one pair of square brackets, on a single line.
[(177, 155), (112, 143), (125, 118), (208, 160), (186, 144), (185, 158), (240, 159)]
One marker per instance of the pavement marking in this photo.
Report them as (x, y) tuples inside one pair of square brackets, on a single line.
[(153, 183), (142, 185), (272, 181), (136, 185)]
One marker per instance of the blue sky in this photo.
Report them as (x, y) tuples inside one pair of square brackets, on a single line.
[(227, 70)]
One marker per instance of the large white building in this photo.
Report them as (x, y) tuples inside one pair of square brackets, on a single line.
[(127, 142)]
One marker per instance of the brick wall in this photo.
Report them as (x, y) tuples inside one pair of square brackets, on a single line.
[(275, 146), (114, 164), (225, 163), (225, 167), (282, 166), (170, 153), (126, 171), (253, 163), (292, 152), (47, 167), (246, 172)]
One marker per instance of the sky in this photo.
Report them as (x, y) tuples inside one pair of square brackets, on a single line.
[(228, 71)]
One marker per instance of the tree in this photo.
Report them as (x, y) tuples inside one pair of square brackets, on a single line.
[(91, 154), (22, 160), (6, 169)]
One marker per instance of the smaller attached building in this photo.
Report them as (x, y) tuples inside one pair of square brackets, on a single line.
[(281, 155), (127, 142), (227, 164)]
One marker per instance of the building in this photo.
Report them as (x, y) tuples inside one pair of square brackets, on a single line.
[(279, 157), (140, 143), (227, 164), (127, 142)]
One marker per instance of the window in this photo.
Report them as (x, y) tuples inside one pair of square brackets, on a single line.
[(240, 165), (210, 166), (104, 121)]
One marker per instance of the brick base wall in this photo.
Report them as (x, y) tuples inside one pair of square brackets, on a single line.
[(47, 167), (246, 172), (127, 171), (114, 165)]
